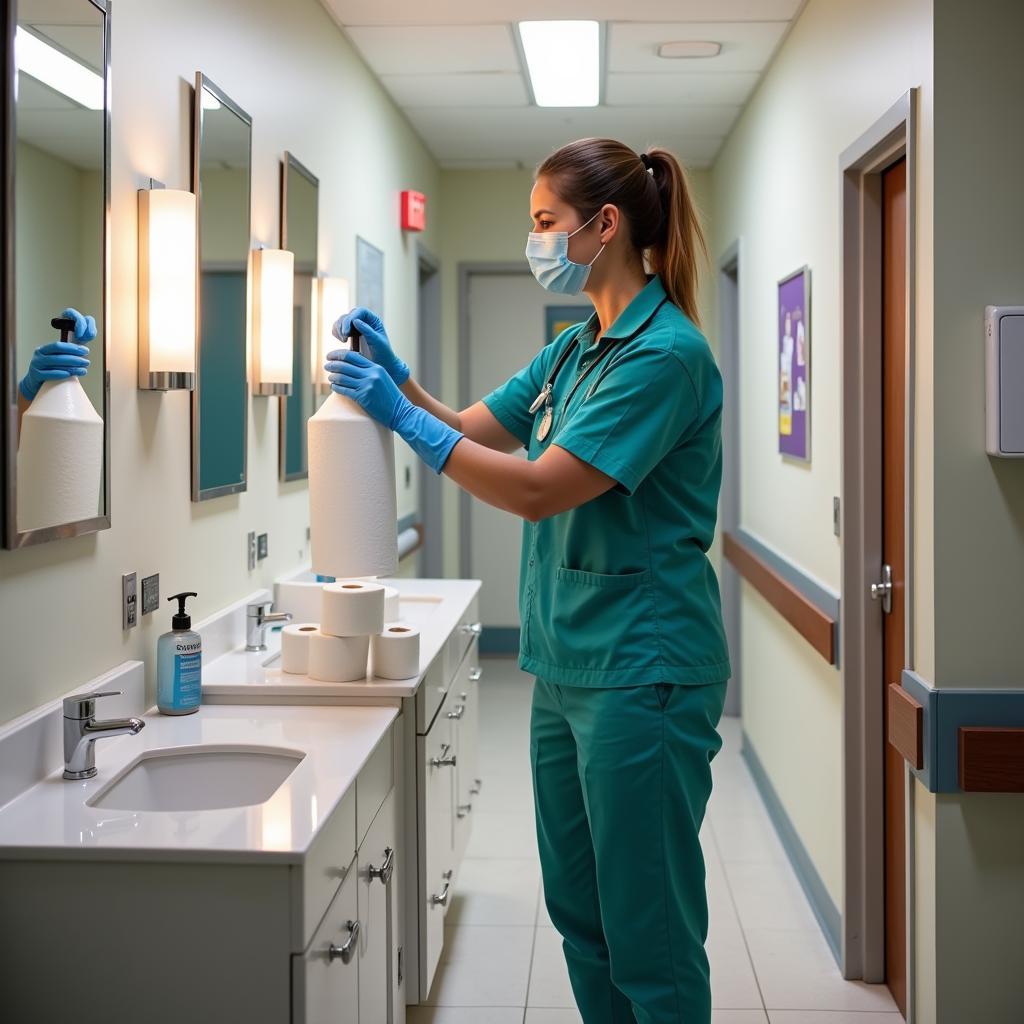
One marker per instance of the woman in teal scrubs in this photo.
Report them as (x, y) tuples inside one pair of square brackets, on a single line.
[(621, 618)]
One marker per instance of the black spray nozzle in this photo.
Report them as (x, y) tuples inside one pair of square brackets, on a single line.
[(181, 619), (64, 324)]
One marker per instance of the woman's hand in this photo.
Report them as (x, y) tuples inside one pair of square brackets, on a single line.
[(371, 327), (59, 360)]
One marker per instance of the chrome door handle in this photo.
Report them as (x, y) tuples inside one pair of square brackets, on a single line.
[(475, 674), (345, 952), (458, 712), (477, 783), (472, 628), (385, 871), (463, 809), (444, 761), (442, 900), (883, 590)]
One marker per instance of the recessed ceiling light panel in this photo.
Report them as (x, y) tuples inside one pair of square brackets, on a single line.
[(45, 63), (689, 49), (563, 59)]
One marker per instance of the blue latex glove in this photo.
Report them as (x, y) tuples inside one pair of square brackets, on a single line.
[(371, 327), (369, 384), (59, 360)]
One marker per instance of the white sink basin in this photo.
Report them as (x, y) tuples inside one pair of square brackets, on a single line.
[(198, 778)]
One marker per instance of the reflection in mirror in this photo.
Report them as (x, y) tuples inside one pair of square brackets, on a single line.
[(221, 182), (57, 175), (299, 210)]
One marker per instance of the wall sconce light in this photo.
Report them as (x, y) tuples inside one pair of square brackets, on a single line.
[(331, 299), (167, 289), (273, 282)]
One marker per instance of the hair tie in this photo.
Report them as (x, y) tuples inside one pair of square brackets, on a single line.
[(646, 161)]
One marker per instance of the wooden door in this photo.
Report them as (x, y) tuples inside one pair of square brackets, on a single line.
[(894, 484)]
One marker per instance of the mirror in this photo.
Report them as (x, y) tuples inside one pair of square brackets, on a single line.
[(222, 158), (57, 180), (300, 193)]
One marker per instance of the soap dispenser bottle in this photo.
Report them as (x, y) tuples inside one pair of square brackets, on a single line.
[(179, 664)]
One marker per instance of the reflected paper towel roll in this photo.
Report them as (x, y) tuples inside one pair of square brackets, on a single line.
[(352, 608), (396, 651), (337, 659), (295, 646), (390, 604)]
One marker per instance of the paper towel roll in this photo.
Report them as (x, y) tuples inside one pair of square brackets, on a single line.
[(337, 659), (396, 651), (300, 597), (390, 604), (295, 646), (352, 608), (352, 506)]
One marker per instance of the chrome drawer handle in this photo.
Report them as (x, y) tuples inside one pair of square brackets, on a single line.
[(444, 761), (345, 952), (475, 675), (472, 628), (442, 900), (385, 871), (463, 809), (458, 712)]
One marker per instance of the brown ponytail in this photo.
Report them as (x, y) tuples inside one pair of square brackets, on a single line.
[(654, 196)]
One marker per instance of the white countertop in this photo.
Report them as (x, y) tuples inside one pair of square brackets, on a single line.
[(434, 606), (52, 820)]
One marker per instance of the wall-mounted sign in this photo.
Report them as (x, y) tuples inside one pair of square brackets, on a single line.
[(414, 211), (794, 391)]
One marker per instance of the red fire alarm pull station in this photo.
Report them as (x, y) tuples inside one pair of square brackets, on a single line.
[(414, 211)]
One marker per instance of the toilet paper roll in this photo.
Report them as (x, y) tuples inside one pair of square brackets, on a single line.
[(390, 604), (295, 646), (352, 608), (337, 659), (396, 651), (300, 597)]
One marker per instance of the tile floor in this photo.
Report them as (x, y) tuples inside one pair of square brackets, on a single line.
[(502, 962)]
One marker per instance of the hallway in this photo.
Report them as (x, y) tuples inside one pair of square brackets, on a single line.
[(503, 962)]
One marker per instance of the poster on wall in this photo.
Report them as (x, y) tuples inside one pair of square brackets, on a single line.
[(557, 318), (369, 276), (794, 391)]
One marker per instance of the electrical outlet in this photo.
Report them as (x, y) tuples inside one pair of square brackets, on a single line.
[(150, 593), (251, 547), (129, 609), (261, 547)]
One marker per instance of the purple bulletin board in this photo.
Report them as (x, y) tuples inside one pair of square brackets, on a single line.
[(794, 354)]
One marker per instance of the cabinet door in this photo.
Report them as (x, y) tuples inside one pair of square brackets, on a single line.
[(465, 690), (377, 940), (325, 979), (437, 762)]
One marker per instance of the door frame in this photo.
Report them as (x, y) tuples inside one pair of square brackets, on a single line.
[(466, 272), (428, 343), (892, 136), (729, 504)]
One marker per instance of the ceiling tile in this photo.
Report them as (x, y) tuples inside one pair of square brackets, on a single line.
[(746, 46), (436, 49), (458, 12), (663, 90), (465, 90)]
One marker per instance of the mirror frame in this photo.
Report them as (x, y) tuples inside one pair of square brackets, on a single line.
[(289, 163), (12, 536), (203, 82)]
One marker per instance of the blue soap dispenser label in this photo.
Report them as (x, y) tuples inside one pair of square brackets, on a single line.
[(188, 672)]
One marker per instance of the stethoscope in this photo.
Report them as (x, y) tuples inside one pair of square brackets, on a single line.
[(544, 397)]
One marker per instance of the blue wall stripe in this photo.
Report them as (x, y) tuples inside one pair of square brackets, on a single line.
[(821, 902)]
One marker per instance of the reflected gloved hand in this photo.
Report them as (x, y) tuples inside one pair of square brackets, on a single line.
[(371, 327), (368, 384), (59, 360)]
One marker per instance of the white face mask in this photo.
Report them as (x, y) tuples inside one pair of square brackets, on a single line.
[(547, 252)]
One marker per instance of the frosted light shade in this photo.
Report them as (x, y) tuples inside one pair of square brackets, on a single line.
[(167, 288), (563, 59), (273, 297), (334, 300)]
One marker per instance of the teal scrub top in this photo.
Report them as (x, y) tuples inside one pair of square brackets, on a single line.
[(620, 591)]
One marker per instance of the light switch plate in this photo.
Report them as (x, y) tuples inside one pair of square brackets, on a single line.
[(835, 516), (129, 607), (251, 548), (150, 593)]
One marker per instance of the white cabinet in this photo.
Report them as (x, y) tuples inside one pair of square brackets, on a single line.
[(378, 945), (465, 718)]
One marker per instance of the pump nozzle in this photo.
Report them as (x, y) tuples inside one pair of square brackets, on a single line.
[(64, 324), (181, 619)]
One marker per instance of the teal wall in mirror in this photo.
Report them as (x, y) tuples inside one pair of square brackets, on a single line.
[(300, 200), (222, 165)]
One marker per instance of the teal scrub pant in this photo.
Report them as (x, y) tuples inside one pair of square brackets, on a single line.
[(621, 779)]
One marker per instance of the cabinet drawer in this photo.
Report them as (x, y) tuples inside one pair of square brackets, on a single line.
[(377, 939), (328, 860), (374, 783), (459, 640), (325, 979)]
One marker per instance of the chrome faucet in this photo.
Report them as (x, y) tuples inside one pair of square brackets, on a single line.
[(258, 617), (81, 730)]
